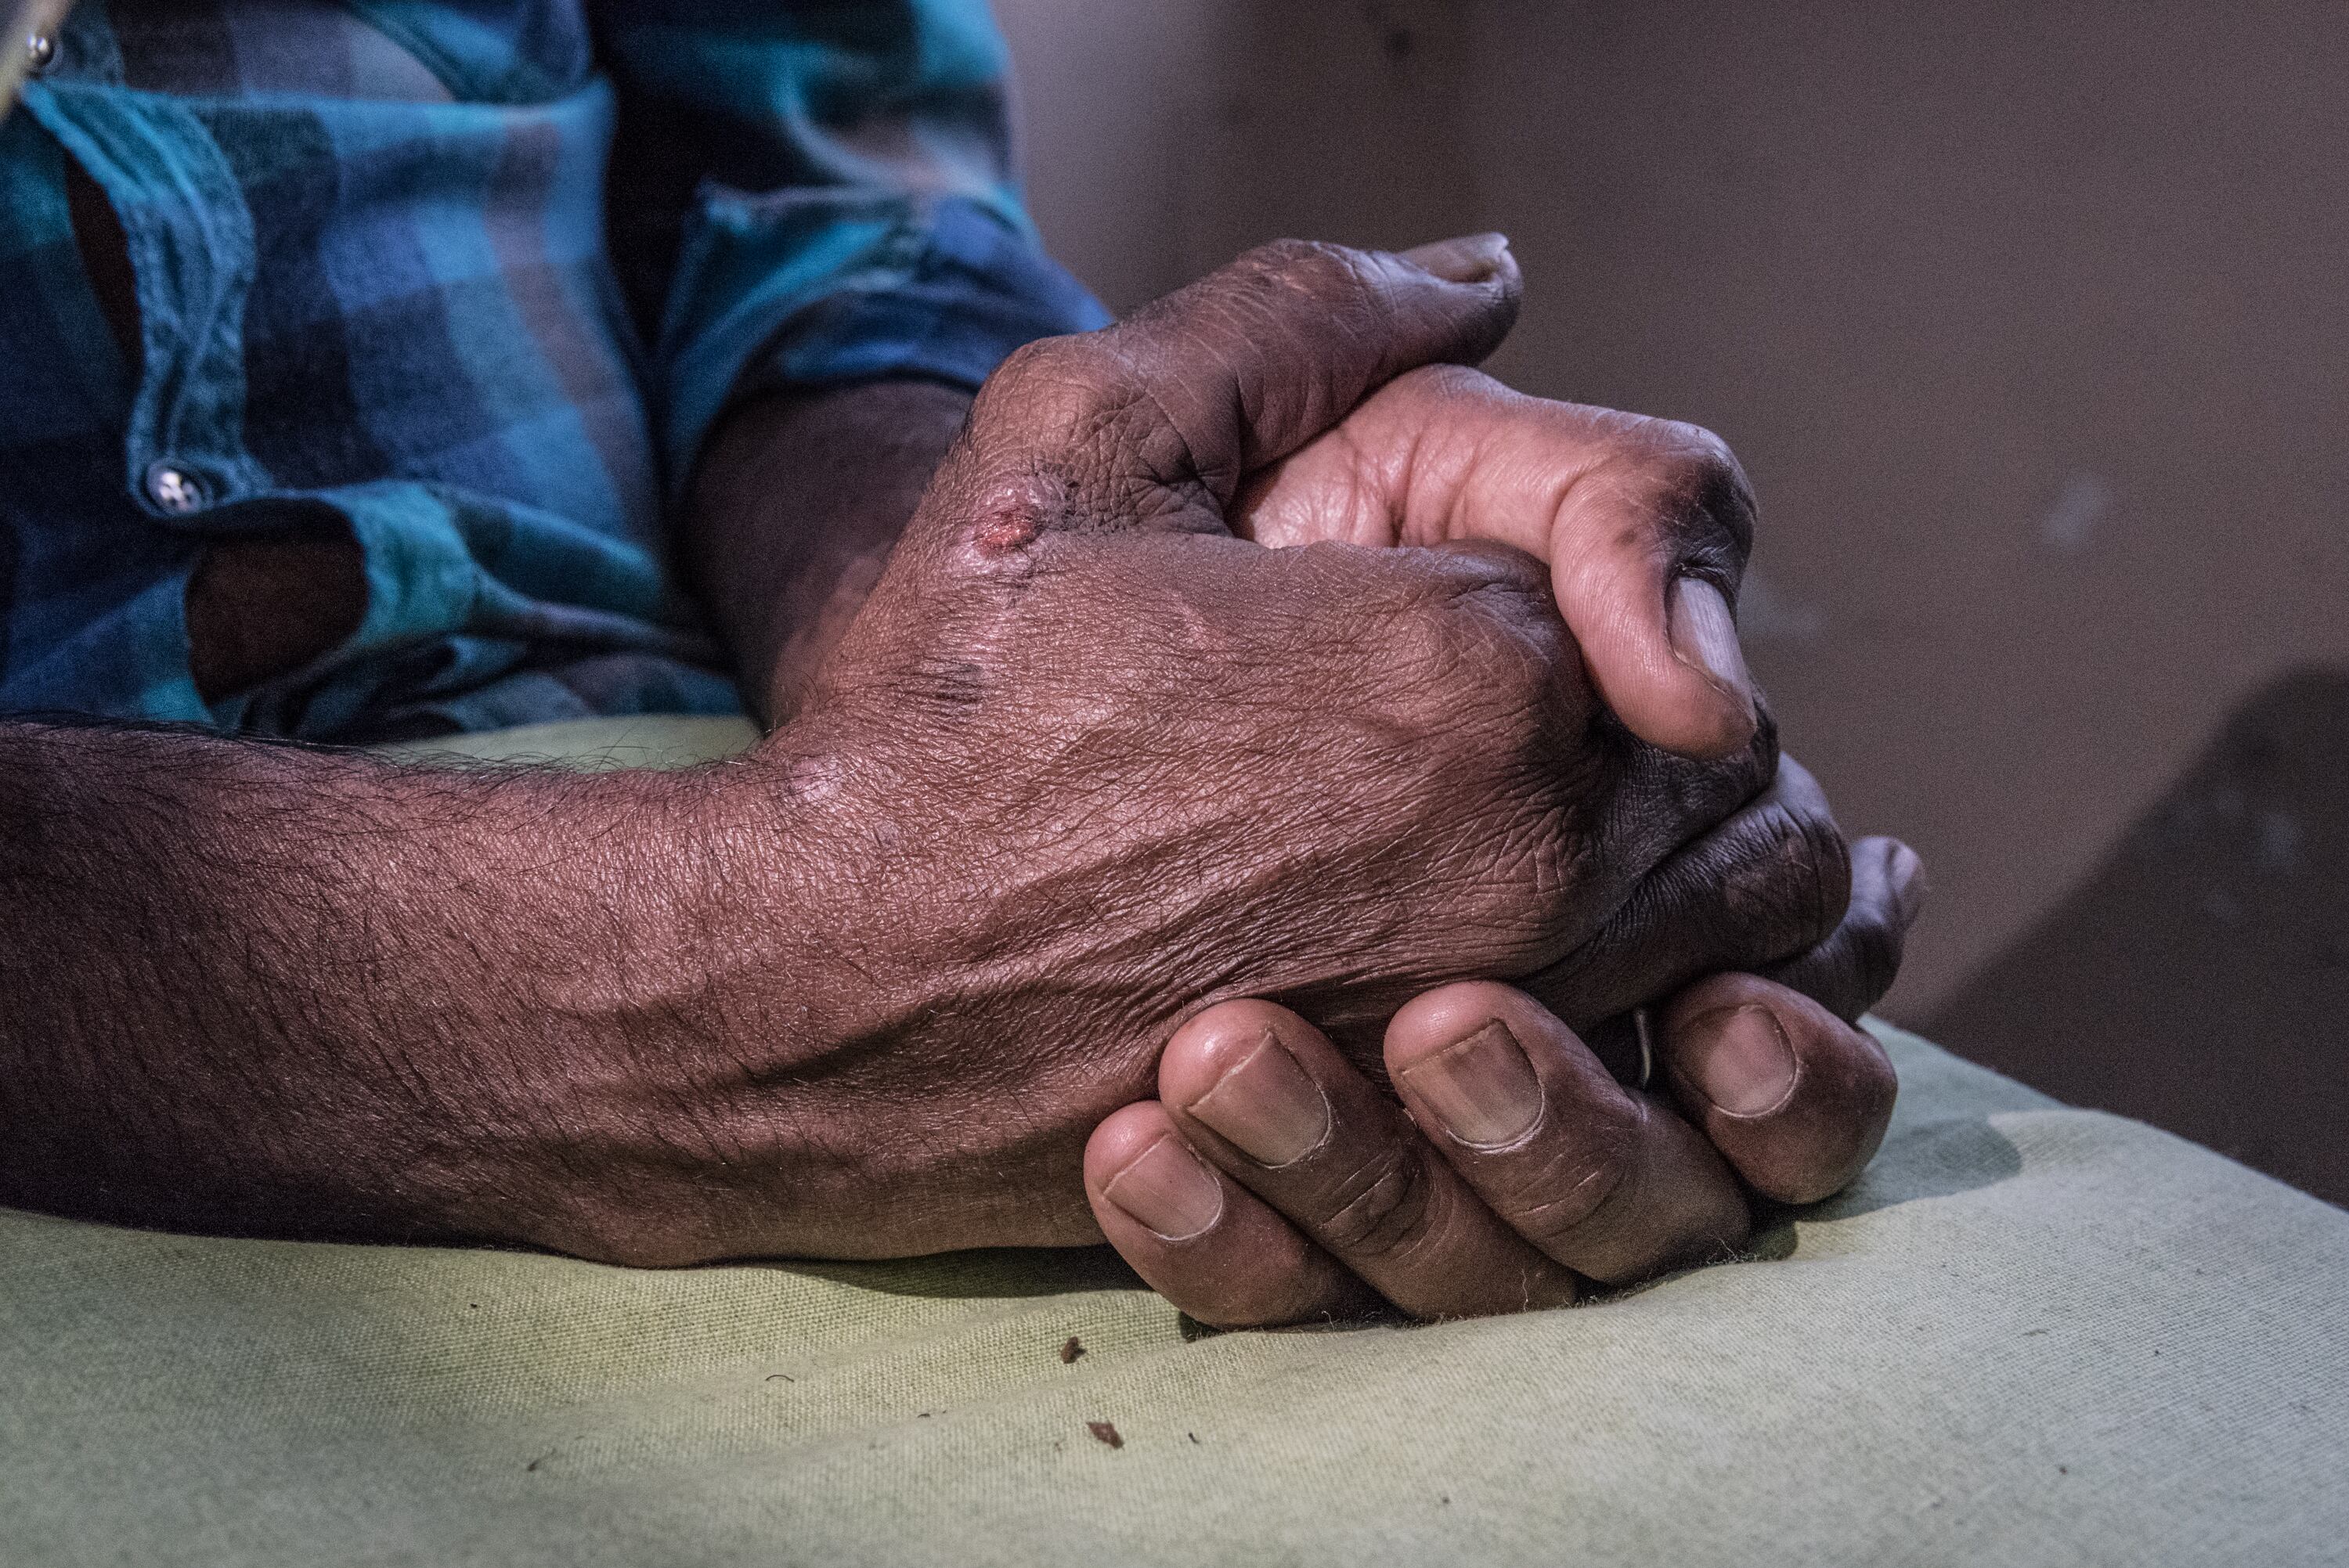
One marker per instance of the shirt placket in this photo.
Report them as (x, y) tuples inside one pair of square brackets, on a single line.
[(190, 236)]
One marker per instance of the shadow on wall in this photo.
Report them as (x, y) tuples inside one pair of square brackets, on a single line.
[(2199, 979)]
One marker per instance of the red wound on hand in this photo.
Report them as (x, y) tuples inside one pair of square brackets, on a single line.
[(1009, 526)]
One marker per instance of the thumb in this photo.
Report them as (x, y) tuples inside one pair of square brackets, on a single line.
[(1254, 360), (1644, 523), (1239, 369), (1645, 572)]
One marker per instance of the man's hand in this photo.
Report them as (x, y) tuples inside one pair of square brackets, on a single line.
[(1272, 1182), (1195, 769), (1627, 513), (1645, 525)]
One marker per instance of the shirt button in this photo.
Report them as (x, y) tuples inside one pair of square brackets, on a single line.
[(175, 492), (40, 53)]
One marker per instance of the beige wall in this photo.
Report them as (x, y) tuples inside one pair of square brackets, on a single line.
[(2029, 321), (1160, 136)]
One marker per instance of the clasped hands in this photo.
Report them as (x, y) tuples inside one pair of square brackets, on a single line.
[(1274, 758)]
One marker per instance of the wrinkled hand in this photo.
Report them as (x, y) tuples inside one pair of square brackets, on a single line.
[(1644, 524), (1092, 760), (1272, 1182), (1565, 1175)]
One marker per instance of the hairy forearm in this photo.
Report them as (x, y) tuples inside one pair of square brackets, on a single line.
[(271, 988), (794, 511)]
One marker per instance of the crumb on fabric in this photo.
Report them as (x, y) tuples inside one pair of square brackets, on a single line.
[(1105, 1433), (1071, 1350)]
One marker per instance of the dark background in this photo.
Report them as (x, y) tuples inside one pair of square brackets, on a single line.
[(2030, 322)]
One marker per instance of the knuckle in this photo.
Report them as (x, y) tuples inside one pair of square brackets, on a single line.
[(1044, 359), (1806, 865), (1476, 655), (1344, 283), (1494, 611), (1783, 883), (1510, 661), (1877, 941), (1581, 1181), (1053, 385), (1307, 263), (1701, 492), (1523, 900), (1507, 781), (1822, 851), (1381, 1207), (1700, 453), (1421, 646), (1283, 254), (1562, 866)]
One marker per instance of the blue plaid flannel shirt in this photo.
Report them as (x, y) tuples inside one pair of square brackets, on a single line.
[(474, 278)]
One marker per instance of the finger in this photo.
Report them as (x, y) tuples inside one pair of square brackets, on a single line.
[(1254, 360), (1200, 1239), (1602, 1179), (1792, 1097), (1233, 372), (1645, 525), (1770, 883), (1646, 572), (1847, 973), (1268, 1100), (1850, 971)]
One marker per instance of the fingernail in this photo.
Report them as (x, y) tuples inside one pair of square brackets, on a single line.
[(1739, 1059), (1470, 259), (1268, 1107), (1907, 874), (1483, 1089), (1169, 1190), (1705, 636)]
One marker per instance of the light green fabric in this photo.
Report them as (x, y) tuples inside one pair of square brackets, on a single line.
[(594, 745), (2029, 1334)]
